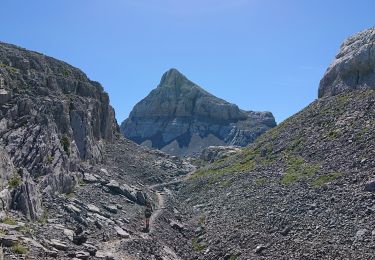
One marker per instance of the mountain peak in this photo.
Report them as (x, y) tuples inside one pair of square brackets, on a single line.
[(174, 78)]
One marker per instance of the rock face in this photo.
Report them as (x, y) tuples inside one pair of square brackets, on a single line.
[(51, 117), (353, 67), (181, 118)]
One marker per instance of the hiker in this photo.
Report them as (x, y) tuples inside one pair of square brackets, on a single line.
[(148, 213)]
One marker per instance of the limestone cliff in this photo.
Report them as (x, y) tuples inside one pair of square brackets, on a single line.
[(51, 117), (353, 67)]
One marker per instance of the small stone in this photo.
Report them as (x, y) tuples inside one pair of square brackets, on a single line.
[(360, 234), (370, 186), (82, 255), (176, 225), (111, 208), (58, 245), (93, 208), (90, 248), (87, 177), (72, 208), (121, 233), (69, 233), (259, 249), (286, 231)]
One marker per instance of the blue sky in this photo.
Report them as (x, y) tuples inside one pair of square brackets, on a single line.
[(264, 55)]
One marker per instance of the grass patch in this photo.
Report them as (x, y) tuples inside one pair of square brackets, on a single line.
[(65, 142), (202, 220), (19, 249), (14, 181), (9, 221), (25, 229), (2, 233), (261, 181), (44, 217), (196, 246), (326, 178), (297, 169), (246, 161)]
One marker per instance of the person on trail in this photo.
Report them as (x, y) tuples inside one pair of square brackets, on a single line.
[(148, 213)]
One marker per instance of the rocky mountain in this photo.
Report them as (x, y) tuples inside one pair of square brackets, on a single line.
[(303, 190), (69, 181), (181, 118), (353, 67)]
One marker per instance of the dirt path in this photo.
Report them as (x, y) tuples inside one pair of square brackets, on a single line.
[(112, 247)]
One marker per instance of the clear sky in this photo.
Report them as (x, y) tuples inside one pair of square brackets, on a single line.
[(259, 54)]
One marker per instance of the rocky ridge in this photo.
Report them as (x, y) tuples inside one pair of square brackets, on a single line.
[(181, 118)]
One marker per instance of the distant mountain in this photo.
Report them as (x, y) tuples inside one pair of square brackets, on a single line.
[(181, 118)]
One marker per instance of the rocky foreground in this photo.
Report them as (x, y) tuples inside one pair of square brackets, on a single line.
[(181, 118)]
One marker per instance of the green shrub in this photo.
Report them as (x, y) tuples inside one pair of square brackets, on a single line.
[(19, 249), (14, 181), (261, 181), (9, 221), (65, 142), (196, 246)]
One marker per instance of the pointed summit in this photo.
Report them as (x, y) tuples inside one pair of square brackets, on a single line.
[(174, 78)]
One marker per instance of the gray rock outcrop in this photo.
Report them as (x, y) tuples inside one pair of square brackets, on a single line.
[(181, 118), (353, 67), (51, 117)]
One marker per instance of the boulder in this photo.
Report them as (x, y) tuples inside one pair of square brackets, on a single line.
[(370, 186), (111, 208), (214, 153), (4, 96), (93, 208), (121, 233), (58, 245), (353, 67), (9, 240)]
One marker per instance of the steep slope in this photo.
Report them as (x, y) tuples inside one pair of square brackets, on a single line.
[(181, 118), (303, 190), (65, 167)]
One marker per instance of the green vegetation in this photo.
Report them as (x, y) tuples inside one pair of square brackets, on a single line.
[(25, 229), (19, 249), (14, 181), (246, 161), (260, 181), (297, 169), (44, 217), (334, 134), (196, 246), (9, 221), (233, 257), (65, 142), (65, 73), (10, 68), (2, 233), (326, 178), (202, 220), (49, 159)]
